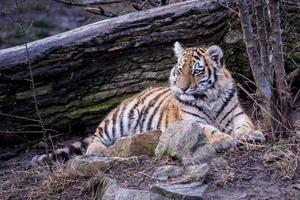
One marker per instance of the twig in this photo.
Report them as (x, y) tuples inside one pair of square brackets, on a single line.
[(32, 85), (263, 108), (18, 117)]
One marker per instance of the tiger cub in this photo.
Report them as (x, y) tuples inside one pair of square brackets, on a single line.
[(201, 89)]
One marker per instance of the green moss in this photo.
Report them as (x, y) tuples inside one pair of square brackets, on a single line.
[(100, 107), (53, 109), (42, 23), (41, 33), (18, 32), (19, 41)]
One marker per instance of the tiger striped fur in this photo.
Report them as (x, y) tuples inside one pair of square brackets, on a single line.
[(201, 89)]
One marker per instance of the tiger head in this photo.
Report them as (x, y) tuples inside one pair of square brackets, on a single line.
[(197, 70)]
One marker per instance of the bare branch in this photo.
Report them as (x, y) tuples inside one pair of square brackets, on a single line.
[(293, 74), (32, 85)]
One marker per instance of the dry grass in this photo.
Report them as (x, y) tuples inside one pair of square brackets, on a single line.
[(286, 158), (39, 183)]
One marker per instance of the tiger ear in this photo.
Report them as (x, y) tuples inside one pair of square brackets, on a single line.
[(178, 49), (216, 54)]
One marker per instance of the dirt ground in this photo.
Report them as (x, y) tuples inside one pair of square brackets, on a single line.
[(246, 175), (266, 171)]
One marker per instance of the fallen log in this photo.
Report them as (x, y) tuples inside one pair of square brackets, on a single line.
[(83, 73)]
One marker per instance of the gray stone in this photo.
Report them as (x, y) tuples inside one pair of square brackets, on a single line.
[(168, 171), (90, 163), (191, 191), (113, 191), (185, 140), (196, 172)]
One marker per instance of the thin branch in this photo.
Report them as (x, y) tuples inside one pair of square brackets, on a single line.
[(293, 74), (261, 107), (19, 117), (32, 85)]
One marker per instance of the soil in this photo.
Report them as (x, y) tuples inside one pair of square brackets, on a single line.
[(246, 175)]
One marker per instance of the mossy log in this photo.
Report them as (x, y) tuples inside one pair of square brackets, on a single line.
[(82, 74)]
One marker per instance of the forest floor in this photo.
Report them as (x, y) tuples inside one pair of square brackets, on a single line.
[(265, 172)]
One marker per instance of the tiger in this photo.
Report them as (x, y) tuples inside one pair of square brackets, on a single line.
[(200, 88)]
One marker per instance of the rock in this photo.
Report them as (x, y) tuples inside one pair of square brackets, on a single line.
[(112, 191), (196, 172), (168, 171), (135, 145), (189, 191), (185, 140), (90, 163)]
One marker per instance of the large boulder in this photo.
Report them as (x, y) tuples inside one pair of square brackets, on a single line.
[(184, 140), (190, 191), (88, 164), (108, 189), (135, 145)]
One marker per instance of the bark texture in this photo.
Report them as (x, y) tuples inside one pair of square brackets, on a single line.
[(283, 91), (82, 74), (263, 85)]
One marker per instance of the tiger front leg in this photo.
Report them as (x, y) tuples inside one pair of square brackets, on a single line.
[(218, 139), (244, 130)]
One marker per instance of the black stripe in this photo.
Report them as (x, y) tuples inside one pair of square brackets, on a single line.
[(161, 116), (215, 77), (140, 100), (194, 106), (233, 118), (114, 120), (64, 156), (166, 120), (106, 130), (231, 110), (160, 104), (227, 100), (73, 149), (121, 117), (209, 73), (150, 105), (84, 143), (194, 115)]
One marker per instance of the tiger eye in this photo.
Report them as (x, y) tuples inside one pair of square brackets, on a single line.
[(198, 72)]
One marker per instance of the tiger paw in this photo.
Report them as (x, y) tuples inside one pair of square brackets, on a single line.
[(222, 141), (252, 136)]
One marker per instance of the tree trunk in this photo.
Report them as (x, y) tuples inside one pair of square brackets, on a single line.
[(83, 73), (263, 85), (282, 89)]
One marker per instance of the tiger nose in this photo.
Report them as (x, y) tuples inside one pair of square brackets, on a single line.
[(184, 88)]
